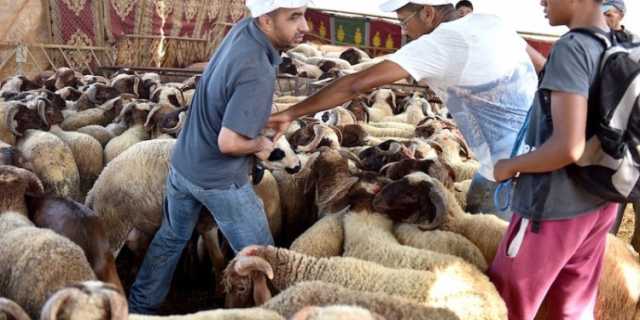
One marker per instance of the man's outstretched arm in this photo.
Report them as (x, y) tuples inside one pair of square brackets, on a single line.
[(339, 92)]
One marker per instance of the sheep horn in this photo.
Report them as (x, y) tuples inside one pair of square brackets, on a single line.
[(182, 117), (12, 309), (52, 307), (113, 298), (394, 147), (246, 264), (42, 111), (463, 144), (12, 111), (313, 145), (150, 116), (438, 200), (261, 292), (124, 111)]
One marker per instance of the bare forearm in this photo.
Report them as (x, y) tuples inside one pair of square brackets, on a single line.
[(551, 156), (337, 93), (537, 58), (236, 145)]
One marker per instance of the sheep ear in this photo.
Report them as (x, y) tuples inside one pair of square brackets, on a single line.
[(116, 302), (261, 292), (12, 309), (56, 302), (438, 200)]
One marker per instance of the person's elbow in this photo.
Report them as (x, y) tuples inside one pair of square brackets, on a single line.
[(573, 152), (227, 142)]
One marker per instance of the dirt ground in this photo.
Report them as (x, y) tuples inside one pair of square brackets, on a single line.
[(626, 228)]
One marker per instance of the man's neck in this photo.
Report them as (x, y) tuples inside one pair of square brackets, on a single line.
[(589, 18)]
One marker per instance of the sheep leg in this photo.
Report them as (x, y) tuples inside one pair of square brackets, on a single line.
[(138, 242), (105, 270)]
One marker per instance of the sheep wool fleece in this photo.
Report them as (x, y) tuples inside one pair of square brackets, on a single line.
[(562, 263)]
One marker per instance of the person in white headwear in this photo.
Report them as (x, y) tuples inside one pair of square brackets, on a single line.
[(215, 150), (477, 64)]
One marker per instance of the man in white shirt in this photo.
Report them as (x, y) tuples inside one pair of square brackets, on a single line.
[(477, 64)]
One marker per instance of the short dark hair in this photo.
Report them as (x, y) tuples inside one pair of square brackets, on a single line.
[(464, 3)]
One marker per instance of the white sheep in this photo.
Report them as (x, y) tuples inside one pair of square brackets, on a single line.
[(384, 103)]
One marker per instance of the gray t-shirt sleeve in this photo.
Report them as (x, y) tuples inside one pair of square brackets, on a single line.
[(571, 68), (244, 112)]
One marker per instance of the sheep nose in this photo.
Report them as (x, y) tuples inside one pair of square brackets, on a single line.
[(293, 170)]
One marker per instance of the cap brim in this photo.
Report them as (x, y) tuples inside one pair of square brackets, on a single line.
[(392, 5), (606, 8)]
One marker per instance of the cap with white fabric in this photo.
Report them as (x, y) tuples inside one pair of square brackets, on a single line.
[(262, 7), (394, 5), (618, 4)]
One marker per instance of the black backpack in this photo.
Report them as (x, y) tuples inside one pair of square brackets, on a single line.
[(610, 165)]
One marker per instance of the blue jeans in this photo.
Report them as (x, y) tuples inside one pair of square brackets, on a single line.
[(237, 211), (480, 198)]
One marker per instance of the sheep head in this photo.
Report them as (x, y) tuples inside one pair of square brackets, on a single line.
[(386, 96), (337, 116), (173, 122), (135, 112), (65, 77), (20, 117), (288, 67), (375, 158), (170, 96), (86, 300), (11, 310), (351, 55), (359, 109), (99, 93), (432, 167), (282, 157), (15, 183), (416, 198), (312, 137), (331, 178), (245, 279)]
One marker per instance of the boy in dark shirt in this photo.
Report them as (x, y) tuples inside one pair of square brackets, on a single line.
[(554, 246)]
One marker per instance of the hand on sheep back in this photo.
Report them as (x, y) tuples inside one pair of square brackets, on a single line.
[(254, 264), (368, 236), (441, 241), (34, 263), (52, 161), (318, 293), (337, 312), (324, 239)]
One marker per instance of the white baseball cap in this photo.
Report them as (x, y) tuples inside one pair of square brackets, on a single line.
[(394, 5), (262, 7)]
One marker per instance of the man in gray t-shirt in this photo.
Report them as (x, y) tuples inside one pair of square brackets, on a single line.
[(212, 156)]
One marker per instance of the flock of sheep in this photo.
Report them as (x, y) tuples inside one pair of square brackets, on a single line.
[(365, 202)]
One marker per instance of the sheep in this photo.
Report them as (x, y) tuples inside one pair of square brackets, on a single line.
[(466, 225), (168, 96), (375, 158), (618, 293), (52, 160), (87, 153), (284, 268), (98, 132), (95, 95), (33, 262), (102, 115), (7, 134), (128, 83), (86, 300), (17, 84), (440, 241), (19, 117), (354, 56), (340, 64), (317, 293), (451, 150), (80, 225), (147, 163), (461, 189), (135, 115), (414, 113), (11, 156), (432, 167), (69, 93), (96, 300), (337, 312), (324, 239), (312, 137), (337, 116), (368, 236), (388, 132), (91, 79), (11, 310), (308, 50), (63, 77), (384, 102)]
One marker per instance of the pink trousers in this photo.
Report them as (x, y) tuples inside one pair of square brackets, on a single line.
[(561, 263)]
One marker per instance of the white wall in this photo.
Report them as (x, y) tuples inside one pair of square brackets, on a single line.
[(525, 15)]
